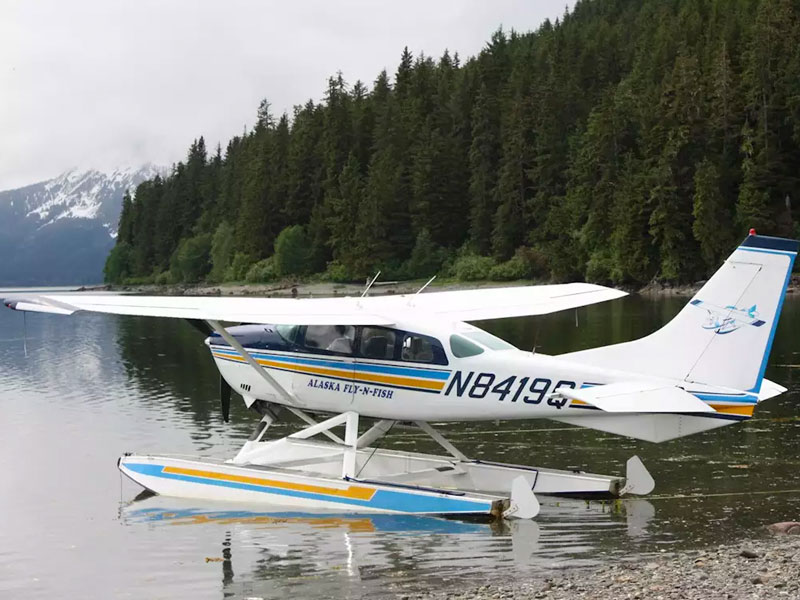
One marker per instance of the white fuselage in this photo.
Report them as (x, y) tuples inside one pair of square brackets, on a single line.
[(494, 384)]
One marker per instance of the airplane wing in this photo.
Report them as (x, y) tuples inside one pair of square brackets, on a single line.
[(459, 305), (306, 311), (498, 303), (638, 397)]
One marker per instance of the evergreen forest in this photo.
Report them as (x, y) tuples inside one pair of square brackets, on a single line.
[(626, 142)]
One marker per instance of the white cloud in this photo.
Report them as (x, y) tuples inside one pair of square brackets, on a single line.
[(110, 82)]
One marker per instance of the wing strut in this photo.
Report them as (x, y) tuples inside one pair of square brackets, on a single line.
[(284, 393)]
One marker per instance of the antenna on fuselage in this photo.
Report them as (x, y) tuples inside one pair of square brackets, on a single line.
[(430, 281), (369, 285), (411, 299)]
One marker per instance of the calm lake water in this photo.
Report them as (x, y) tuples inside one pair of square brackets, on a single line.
[(92, 387)]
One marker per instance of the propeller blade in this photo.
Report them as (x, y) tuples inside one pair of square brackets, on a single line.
[(225, 398)]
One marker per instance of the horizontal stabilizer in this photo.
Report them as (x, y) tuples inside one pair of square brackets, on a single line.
[(649, 427), (769, 389), (638, 397)]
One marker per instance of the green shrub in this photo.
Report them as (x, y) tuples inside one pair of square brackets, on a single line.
[(512, 269), (471, 267), (118, 264), (426, 258), (535, 261), (239, 267), (262, 271), (140, 280), (292, 252), (221, 252), (599, 267), (527, 263), (337, 273), (164, 278), (190, 261)]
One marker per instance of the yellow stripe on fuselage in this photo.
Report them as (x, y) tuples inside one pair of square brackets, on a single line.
[(403, 381), (744, 410), (352, 492), (348, 373)]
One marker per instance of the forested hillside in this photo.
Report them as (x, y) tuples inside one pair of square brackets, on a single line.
[(630, 140)]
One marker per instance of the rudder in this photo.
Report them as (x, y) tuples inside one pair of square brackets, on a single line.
[(723, 336)]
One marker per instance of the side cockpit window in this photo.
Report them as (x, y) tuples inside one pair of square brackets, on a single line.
[(330, 338)]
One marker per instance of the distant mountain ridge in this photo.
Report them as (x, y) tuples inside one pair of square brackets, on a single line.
[(59, 231)]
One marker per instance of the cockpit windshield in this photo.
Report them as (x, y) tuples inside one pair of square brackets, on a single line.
[(461, 347), (288, 333), (492, 342)]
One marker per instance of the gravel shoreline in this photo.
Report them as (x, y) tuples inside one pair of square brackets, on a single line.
[(761, 568)]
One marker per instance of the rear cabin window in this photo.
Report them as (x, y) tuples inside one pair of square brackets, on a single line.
[(377, 342), (461, 347), (336, 339)]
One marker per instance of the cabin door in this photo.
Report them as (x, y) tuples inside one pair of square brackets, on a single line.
[(326, 364)]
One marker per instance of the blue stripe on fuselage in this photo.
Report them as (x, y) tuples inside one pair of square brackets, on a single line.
[(338, 364)]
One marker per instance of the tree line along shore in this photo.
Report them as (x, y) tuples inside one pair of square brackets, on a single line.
[(624, 143)]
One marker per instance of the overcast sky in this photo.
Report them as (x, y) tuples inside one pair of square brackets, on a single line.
[(105, 83)]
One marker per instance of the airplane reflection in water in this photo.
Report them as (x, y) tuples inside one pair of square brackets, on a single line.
[(276, 548)]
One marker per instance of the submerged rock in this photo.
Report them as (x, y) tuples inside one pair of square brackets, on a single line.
[(785, 528)]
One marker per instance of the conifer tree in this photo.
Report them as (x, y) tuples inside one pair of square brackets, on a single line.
[(483, 164), (622, 142)]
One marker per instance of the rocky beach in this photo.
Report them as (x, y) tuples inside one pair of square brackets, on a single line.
[(767, 567)]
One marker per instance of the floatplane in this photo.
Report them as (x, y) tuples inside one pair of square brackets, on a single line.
[(374, 364)]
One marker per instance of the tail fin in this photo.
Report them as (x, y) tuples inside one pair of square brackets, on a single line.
[(723, 336)]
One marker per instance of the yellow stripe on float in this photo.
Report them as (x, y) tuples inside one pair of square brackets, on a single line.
[(352, 492)]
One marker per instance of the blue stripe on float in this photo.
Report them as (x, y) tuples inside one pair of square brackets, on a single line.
[(358, 366), (394, 500)]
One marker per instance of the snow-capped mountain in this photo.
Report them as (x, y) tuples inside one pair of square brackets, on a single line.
[(60, 231), (78, 195)]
